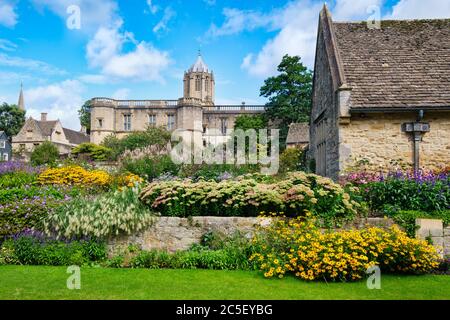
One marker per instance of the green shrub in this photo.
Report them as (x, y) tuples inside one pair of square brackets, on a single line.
[(291, 159), (93, 151), (407, 218), (37, 250), (430, 193), (109, 214), (150, 167), (215, 172), (153, 136), (17, 179), (45, 153), (298, 194)]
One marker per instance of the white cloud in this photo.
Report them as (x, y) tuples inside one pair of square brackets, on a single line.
[(7, 45), (8, 16), (29, 64), (94, 14), (8, 77), (162, 24), (237, 21), (60, 100), (144, 62), (297, 36), (420, 9), (152, 7), (353, 10), (93, 78), (121, 94)]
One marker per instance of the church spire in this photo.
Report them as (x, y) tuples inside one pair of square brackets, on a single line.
[(21, 103)]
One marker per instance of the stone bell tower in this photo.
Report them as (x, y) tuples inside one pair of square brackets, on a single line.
[(199, 82)]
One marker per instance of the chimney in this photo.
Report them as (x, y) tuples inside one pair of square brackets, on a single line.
[(43, 116)]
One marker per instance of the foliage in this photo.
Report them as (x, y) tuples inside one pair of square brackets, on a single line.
[(231, 253), (17, 179), (217, 172), (12, 195), (150, 167), (246, 122), (407, 218), (291, 159), (25, 213), (113, 213), (298, 193), (85, 115), (158, 137), (16, 166), (45, 153), (12, 119), (32, 248), (289, 95), (93, 151), (422, 191), (299, 247), (74, 175)]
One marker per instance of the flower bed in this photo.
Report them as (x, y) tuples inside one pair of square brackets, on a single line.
[(74, 175), (301, 248), (298, 193)]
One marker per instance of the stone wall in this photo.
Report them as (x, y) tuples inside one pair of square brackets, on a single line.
[(434, 230), (324, 112), (172, 233), (378, 137)]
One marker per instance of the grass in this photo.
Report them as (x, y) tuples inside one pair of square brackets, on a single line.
[(36, 282)]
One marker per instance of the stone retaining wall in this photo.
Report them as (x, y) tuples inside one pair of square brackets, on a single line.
[(172, 233), (434, 230)]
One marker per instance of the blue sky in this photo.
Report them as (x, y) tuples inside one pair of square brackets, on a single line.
[(139, 49)]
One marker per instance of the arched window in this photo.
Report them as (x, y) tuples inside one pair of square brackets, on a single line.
[(198, 83), (207, 84)]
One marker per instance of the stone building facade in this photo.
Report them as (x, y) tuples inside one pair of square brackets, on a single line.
[(380, 95), (34, 132), (195, 111)]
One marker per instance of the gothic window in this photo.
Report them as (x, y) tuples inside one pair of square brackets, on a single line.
[(207, 84), (198, 83), (223, 126), (321, 147), (152, 119), (100, 122), (170, 121), (127, 122)]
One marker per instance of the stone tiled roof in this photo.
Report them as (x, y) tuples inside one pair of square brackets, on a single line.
[(75, 137), (403, 64), (46, 127), (298, 133)]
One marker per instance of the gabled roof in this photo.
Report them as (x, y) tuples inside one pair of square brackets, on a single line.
[(298, 133), (75, 137), (403, 64), (46, 127)]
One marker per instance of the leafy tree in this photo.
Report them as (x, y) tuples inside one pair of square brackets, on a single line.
[(85, 115), (93, 151), (289, 95), (45, 153), (12, 119), (246, 122)]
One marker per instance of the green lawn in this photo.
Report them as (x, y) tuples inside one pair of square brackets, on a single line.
[(29, 282)]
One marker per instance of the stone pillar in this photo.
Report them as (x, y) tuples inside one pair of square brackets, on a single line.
[(431, 229)]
